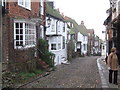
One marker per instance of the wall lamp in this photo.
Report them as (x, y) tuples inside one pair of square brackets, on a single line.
[(48, 22)]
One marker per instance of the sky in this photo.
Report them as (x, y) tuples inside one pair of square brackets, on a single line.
[(92, 12)]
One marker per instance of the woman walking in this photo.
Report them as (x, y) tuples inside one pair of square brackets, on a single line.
[(113, 65)]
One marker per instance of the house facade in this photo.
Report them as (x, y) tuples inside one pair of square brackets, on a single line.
[(56, 35), (112, 24), (20, 30), (72, 31), (97, 45), (79, 34), (91, 39), (84, 37)]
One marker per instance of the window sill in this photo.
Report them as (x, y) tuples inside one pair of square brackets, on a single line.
[(24, 7), (26, 47), (56, 50)]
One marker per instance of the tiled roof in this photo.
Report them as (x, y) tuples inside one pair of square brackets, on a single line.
[(96, 38), (53, 12), (75, 27), (83, 29)]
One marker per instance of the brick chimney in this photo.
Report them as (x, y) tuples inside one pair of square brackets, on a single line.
[(63, 14), (82, 22)]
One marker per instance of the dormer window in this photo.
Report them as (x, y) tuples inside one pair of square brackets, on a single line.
[(25, 3), (71, 25)]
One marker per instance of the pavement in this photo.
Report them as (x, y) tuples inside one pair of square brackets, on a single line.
[(80, 73), (104, 74)]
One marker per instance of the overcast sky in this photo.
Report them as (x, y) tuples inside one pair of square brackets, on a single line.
[(92, 12)]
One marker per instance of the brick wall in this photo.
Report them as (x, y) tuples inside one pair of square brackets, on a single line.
[(13, 11), (17, 11)]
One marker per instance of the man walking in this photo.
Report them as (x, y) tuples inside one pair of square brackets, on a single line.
[(113, 65)]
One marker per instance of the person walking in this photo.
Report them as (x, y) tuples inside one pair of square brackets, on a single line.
[(113, 65)]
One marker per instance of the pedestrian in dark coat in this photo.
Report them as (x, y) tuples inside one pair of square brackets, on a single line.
[(113, 65)]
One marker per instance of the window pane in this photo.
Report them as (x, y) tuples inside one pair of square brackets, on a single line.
[(25, 25), (26, 31), (17, 25), (21, 31), (21, 37), (17, 37), (21, 25), (26, 43), (17, 43), (53, 46), (17, 31), (21, 43)]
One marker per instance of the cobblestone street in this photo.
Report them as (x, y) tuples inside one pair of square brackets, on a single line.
[(80, 73)]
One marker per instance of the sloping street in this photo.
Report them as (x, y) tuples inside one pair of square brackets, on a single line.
[(80, 73)]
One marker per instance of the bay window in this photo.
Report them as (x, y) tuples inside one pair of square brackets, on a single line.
[(24, 34)]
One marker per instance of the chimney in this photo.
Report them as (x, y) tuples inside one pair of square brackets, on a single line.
[(58, 10), (82, 22), (63, 14)]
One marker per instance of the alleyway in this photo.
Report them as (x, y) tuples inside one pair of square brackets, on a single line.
[(81, 73)]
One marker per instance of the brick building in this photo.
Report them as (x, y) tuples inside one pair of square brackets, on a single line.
[(20, 30), (112, 24), (91, 40)]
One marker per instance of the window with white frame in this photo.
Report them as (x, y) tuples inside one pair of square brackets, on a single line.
[(58, 26), (63, 27), (84, 46), (53, 47), (53, 25), (83, 38), (25, 3), (59, 45), (63, 42), (24, 34)]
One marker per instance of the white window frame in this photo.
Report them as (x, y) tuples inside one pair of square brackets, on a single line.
[(52, 27), (32, 32), (63, 41), (84, 45), (25, 3), (58, 26), (63, 27), (59, 46)]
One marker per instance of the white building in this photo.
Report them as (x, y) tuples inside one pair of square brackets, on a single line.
[(79, 34), (82, 38), (57, 35)]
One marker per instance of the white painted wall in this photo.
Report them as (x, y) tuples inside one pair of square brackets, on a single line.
[(60, 53), (52, 29), (84, 40), (80, 37)]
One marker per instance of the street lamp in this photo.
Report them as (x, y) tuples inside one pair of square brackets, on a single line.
[(48, 22)]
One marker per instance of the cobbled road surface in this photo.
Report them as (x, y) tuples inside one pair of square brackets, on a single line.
[(80, 73)]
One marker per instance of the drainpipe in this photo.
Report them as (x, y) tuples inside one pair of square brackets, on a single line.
[(44, 18), (56, 27)]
